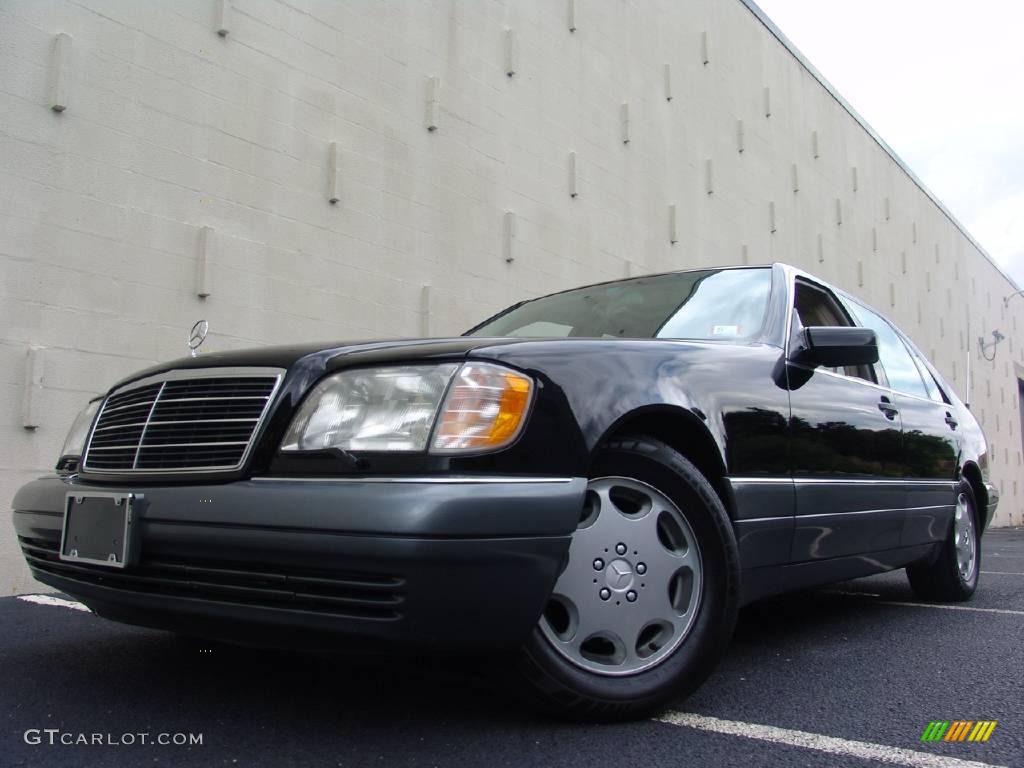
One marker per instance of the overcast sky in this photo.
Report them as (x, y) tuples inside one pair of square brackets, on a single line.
[(942, 82)]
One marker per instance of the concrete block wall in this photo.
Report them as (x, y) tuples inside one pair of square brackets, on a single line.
[(448, 171)]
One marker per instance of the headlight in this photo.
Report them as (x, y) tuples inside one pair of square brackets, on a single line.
[(74, 443), (378, 409), (397, 408)]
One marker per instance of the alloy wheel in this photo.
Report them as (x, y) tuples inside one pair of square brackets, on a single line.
[(963, 538), (630, 589)]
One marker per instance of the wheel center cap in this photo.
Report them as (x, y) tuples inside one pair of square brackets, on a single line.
[(619, 575)]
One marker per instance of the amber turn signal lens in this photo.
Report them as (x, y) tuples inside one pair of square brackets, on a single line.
[(485, 408)]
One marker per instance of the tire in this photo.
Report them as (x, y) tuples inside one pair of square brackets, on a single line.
[(946, 578), (660, 628)]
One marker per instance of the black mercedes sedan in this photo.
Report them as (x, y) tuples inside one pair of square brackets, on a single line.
[(588, 484)]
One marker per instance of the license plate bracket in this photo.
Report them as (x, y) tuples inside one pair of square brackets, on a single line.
[(98, 528)]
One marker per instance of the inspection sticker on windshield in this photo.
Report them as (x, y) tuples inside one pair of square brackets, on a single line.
[(725, 330)]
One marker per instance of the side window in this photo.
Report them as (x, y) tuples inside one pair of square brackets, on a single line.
[(900, 368), (816, 306), (934, 392)]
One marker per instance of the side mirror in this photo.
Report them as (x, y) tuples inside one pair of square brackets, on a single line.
[(835, 346)]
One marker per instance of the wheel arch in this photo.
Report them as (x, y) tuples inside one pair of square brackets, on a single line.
[(971, 472), (681, 430)]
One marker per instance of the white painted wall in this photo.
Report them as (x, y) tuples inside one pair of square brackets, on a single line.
[(169, 127)]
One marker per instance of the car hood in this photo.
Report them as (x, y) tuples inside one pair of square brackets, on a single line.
[(329, 355), (307, 362)]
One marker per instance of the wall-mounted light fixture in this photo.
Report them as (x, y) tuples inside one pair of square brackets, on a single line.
[(1006, 300), (983, 347)]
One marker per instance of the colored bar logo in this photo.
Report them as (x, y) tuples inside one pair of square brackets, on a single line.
[(958, 730)]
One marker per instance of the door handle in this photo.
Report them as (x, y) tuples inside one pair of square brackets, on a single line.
[(951, 421), (886, 407)]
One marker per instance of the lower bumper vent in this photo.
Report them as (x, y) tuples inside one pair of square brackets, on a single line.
[(346, 594)]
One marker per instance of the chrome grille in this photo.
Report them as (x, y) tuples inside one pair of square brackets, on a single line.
[(190, 420)]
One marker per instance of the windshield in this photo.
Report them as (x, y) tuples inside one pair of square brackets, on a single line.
[(721, 304)]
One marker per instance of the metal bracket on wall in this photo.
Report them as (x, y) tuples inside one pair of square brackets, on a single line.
[(509, 237), (433, 102), (60, 72), (223, 17), (511, 52), (426, 307), (333, 191), (204, 246), (33, 388)]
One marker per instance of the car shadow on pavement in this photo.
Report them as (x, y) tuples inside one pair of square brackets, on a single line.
[(78, 668), (159, 677)]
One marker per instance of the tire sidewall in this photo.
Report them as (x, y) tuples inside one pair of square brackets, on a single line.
[(690, 663)]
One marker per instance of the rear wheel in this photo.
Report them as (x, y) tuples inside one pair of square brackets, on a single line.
[(953, 575), (647, 597)]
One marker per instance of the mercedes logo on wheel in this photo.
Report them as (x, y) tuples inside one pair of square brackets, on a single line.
[(619, 575), (197, 336)]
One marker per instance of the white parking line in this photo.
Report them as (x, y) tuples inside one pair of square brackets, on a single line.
[(1005, 573), (941, 606), (952, 607), (51, 600), (864, 750)]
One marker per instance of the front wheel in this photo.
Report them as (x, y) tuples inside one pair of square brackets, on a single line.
[(953, 575), (647, 598)]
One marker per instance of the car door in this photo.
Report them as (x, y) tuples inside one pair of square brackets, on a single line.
[(846, 447), (931, 442)]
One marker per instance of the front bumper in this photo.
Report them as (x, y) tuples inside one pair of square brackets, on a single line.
[(461, 563), (993, 501)]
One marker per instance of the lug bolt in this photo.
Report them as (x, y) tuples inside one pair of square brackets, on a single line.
[(605, 593), (620, 548), (598, 564), (641, 568), (631, 596)]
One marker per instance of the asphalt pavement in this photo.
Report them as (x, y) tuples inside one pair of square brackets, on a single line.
[(848, 676)]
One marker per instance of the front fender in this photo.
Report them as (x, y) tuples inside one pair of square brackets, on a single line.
[(729, 390)]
